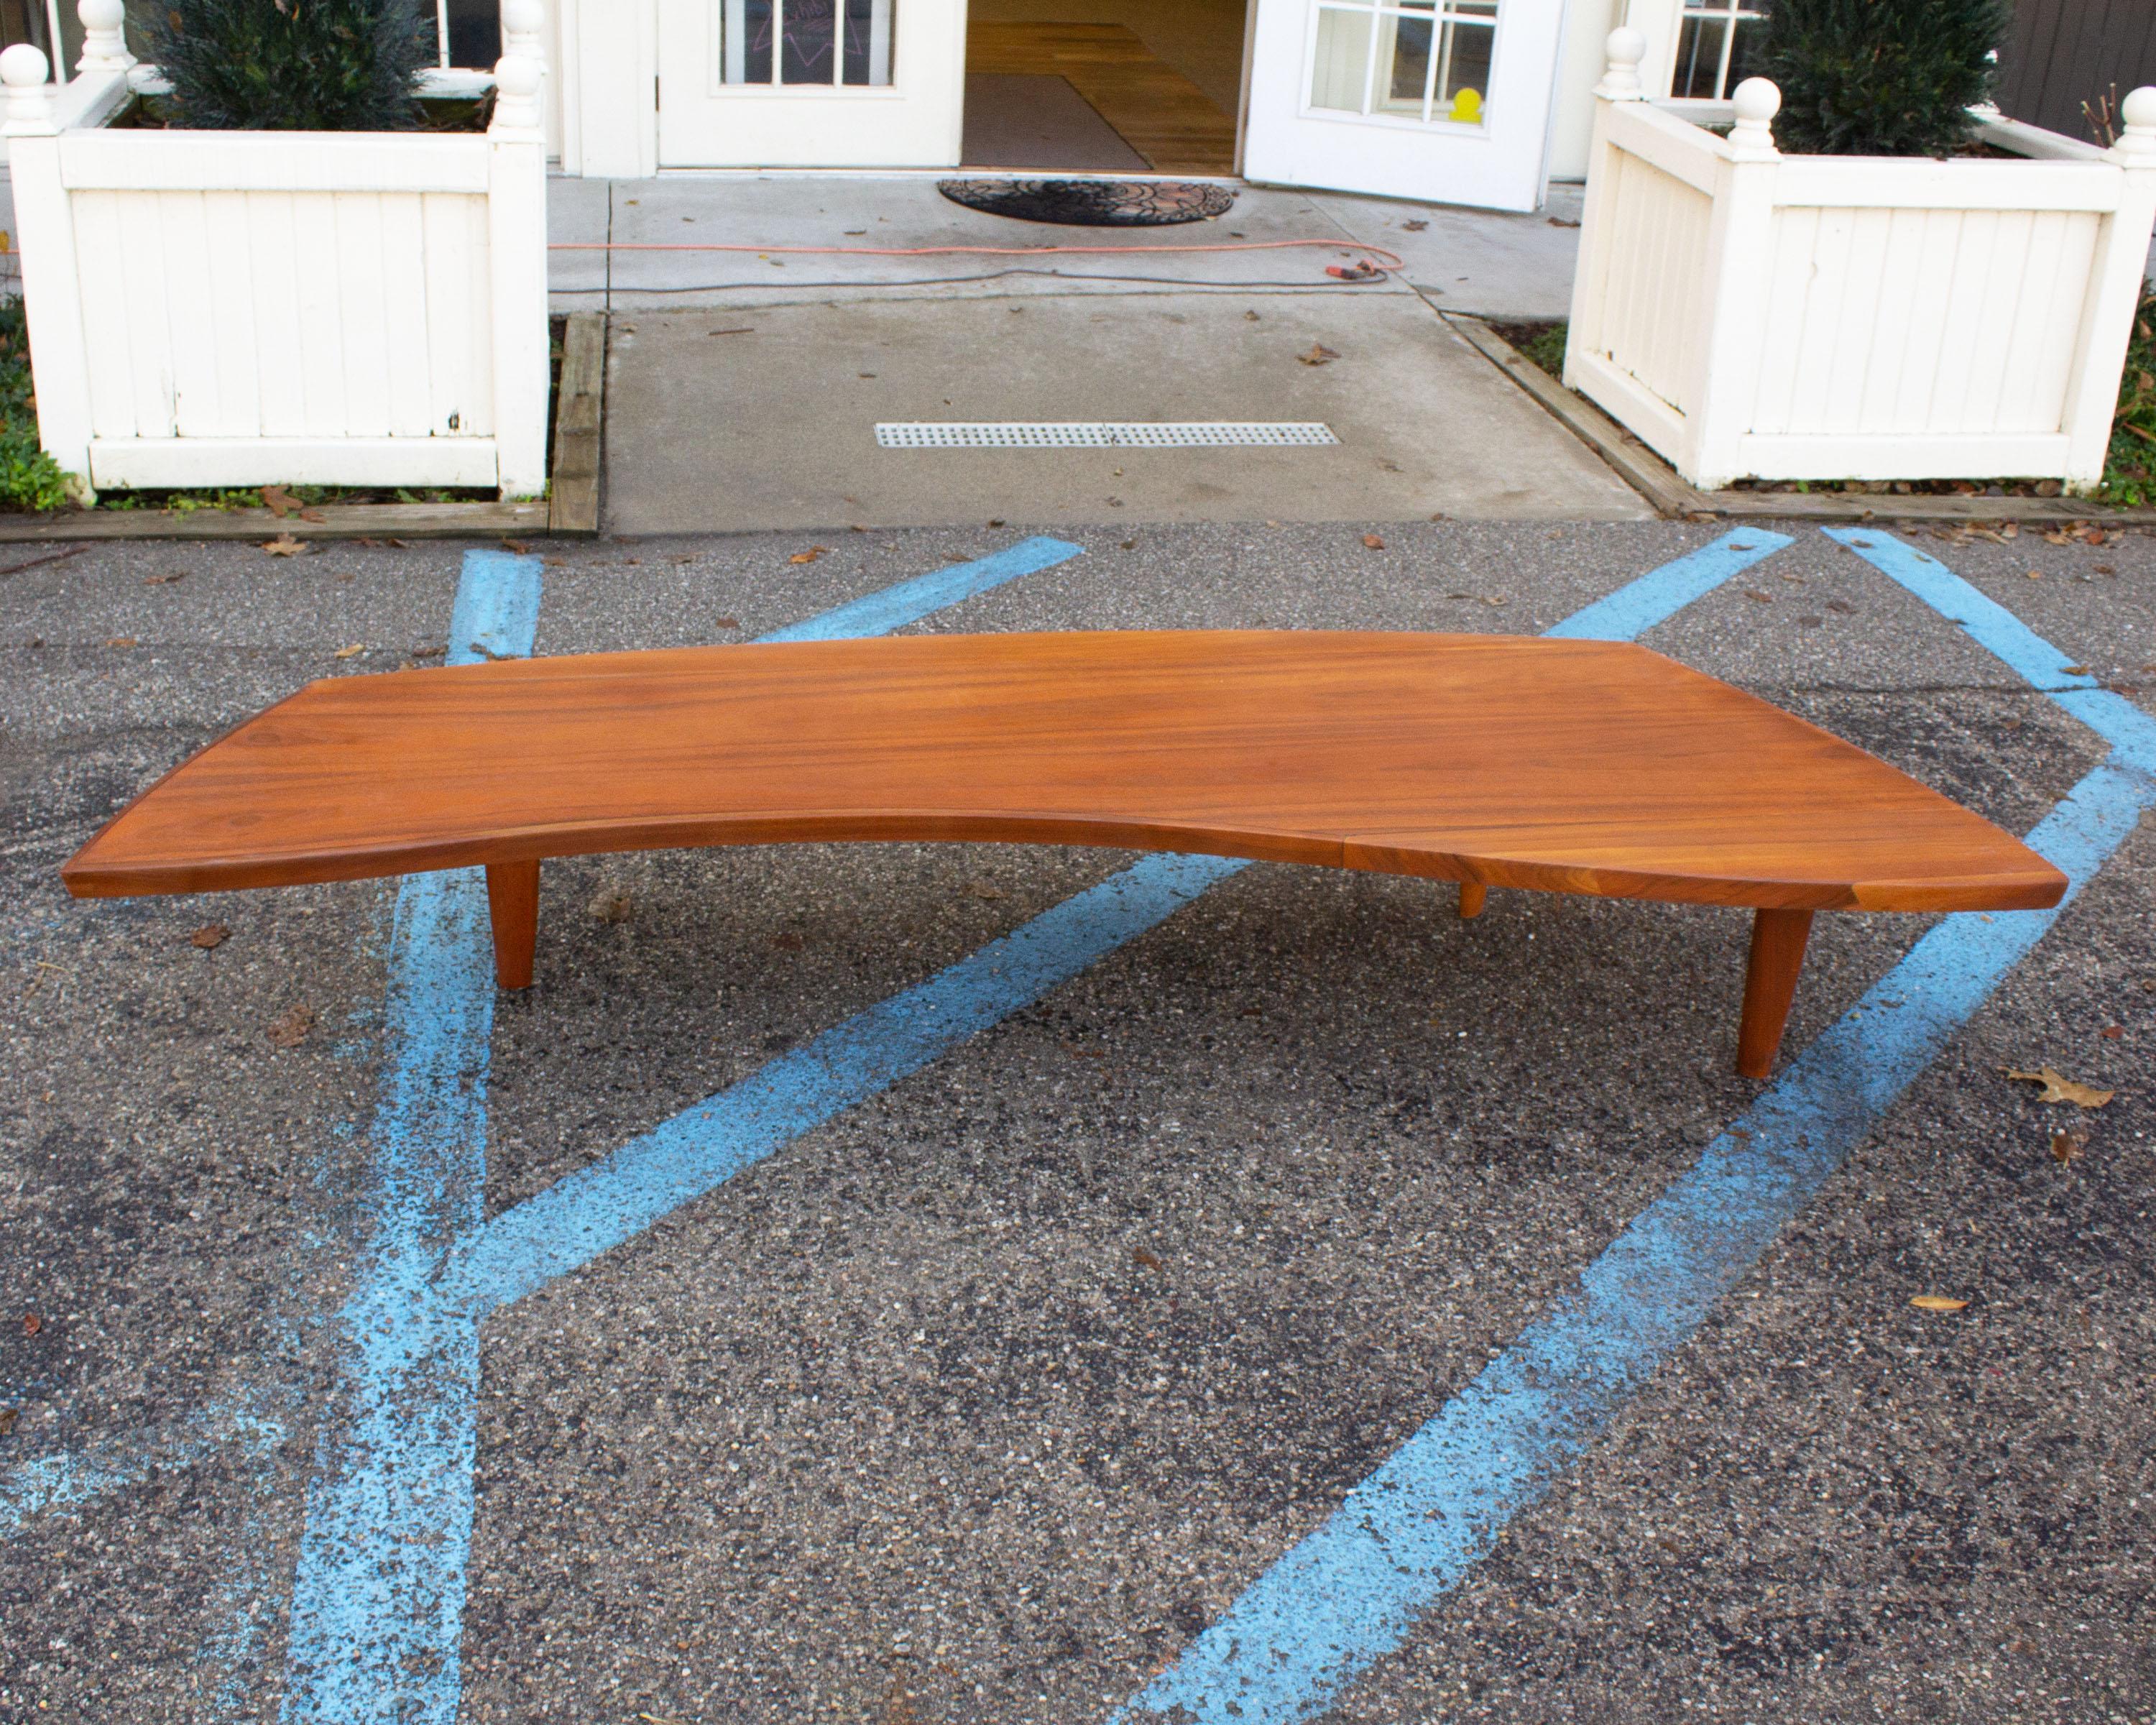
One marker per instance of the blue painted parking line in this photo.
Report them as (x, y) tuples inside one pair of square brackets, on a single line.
[(895, 607), (1349, 1592), (379, 1595), (53, 1484), (1634, 608)]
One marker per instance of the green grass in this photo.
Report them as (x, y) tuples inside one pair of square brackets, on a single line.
[(2129, 471), (29, 478)]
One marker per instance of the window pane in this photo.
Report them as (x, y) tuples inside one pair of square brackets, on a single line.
[(1464, 73), (806, 42), (1744, 55), (745, 34), (1340, 71), (475, 33), (1411, 40), (868, 41), (1699, 59)]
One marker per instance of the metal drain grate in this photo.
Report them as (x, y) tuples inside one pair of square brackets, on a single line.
[(1107, 434)]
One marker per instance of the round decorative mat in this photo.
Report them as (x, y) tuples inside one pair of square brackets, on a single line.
[(1093, 204)]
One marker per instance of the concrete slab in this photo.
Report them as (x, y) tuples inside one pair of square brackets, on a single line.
[(906, 214), (1474, 261), (578, 212), (770, 424)]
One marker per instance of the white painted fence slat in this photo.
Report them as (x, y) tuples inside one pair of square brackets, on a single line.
[(100, 248), (362, 312), (321, 355), (272, 162), (273, 265), (233, 332), (147, 352), (404, 307), (452, 386), (183, 236)]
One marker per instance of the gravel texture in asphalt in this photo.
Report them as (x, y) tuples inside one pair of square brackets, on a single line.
[(981, 1401)]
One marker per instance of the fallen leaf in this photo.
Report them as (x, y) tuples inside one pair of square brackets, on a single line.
[(2036, 574), (281, 501), (1371, 541), (1560, 222), (787, 941), (164, 580), (2066, 1147), (522, 548), (2111, 1033), (1938, 1302), (1147, 1259), (2058, 1090), (1077, 1053), (1319, 355), (7, 1421), (123, 641), (1416, 227), (2009, 530), (1753, 592), (1128, 545), (316, 514), (351, 652), (810, 554), (372, 544), (284, 546), (2058, 536), (292, 1030), (438, 651), (399, 543), (209, 935), (726, 622), (1841, 605), (981, 889), (32, 1323), (612, 905)]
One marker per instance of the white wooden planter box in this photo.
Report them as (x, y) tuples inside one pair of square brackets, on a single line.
[(237, 308), (1752, 315)]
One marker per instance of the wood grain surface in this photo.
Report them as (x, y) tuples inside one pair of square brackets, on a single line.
[(1160, 113), (1572, 766)]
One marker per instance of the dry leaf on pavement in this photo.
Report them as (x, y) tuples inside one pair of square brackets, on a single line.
[(281, 501), (522, 548), (284, 546), (210, 934), (351, 652), (810, 554), (1371, 541), (2063, 1089), (2066, 1146), (612, 905), (1319, 355), (1938, 1302), (292, 1030)]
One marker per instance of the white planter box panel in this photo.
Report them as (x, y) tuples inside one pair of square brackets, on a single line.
[(1752, 315), (249, 308)]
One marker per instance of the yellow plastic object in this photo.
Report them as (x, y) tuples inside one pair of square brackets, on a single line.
[(1467, 106)]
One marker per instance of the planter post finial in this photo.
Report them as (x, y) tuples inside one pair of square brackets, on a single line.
[(1620, 81), (104, 36), (24, 70), (2137, 142), (1757, 101)]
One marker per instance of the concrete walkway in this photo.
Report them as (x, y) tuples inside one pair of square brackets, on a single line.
[(744, 386)]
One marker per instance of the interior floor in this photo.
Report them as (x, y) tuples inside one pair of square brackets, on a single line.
[(1161, 80)]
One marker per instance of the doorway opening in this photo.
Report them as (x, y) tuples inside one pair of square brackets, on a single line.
[(1104, 86)]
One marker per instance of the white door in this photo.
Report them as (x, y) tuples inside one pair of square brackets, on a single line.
[(811, 83), (1444, 100)]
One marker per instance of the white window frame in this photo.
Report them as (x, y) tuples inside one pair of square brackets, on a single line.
[(1444, 16), (1732, 13), (732, 39)]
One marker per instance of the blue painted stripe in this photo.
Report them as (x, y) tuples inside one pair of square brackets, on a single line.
[(67, 1479), (895, 607), (378, 1601), (1999, 632), (1633, 609), (1349, 1593), (598, 1208)]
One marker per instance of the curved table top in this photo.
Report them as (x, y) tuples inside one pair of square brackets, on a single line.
[(1581, 767)]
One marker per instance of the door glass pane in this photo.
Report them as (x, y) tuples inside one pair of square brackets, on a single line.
[(475, 33), (1413, 60), (803, 36), (1340, 72)]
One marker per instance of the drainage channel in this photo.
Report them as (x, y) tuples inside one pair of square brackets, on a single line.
[(1105, 435)]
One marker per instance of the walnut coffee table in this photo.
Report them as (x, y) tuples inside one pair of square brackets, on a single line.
[(1561, 765)]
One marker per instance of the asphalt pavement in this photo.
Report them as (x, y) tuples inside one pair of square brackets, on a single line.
[(1015, 1383)]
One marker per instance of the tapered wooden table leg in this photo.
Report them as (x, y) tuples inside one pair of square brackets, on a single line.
[(512, 906), (1770, 984), (1472, 893)]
